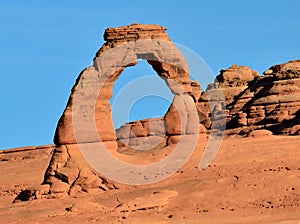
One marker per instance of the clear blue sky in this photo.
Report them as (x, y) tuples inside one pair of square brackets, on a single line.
[(45, 44)]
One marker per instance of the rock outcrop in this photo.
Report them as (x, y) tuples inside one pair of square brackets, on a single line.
[(232, 82), (142, 135), (88, 118), (253, 102)]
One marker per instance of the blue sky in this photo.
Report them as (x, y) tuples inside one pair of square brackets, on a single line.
[(45, 44)]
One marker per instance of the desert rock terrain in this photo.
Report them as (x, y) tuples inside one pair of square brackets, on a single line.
[(253, 178)]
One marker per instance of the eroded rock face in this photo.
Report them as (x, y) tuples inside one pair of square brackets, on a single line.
[(124, 46), (144, 134), (255, 102), (88, 116), (232, 82), (252, 102)]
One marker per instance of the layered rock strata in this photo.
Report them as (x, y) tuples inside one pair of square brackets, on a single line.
[(255, 102)]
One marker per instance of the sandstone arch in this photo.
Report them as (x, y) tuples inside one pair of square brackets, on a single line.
[(122, 51), (67, 171)]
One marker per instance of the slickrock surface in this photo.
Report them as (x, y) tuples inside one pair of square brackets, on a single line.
[(252, 180)]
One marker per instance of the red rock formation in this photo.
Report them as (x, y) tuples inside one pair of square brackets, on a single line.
[(232, 82), (268, 102), (89, 105), (252, 102)]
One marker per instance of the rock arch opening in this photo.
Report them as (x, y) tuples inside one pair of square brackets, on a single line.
[(88, 115), (139, 93)]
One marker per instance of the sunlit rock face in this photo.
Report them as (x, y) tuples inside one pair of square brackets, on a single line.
[(253, 102), (89, 108)]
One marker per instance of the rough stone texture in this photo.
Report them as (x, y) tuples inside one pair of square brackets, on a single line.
[(88, 116), (68, 172), (124, 46), (144, 134), (255, 102), (260, 133), (232, 82), (253, 105)]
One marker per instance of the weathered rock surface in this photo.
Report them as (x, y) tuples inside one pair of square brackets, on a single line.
[(244, 180), (253, 102), (144, 134), (232, 82), (88, 116), (260, 133), (250, 105)]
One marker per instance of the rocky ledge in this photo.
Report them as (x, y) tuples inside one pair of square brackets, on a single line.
[(252, 102)]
